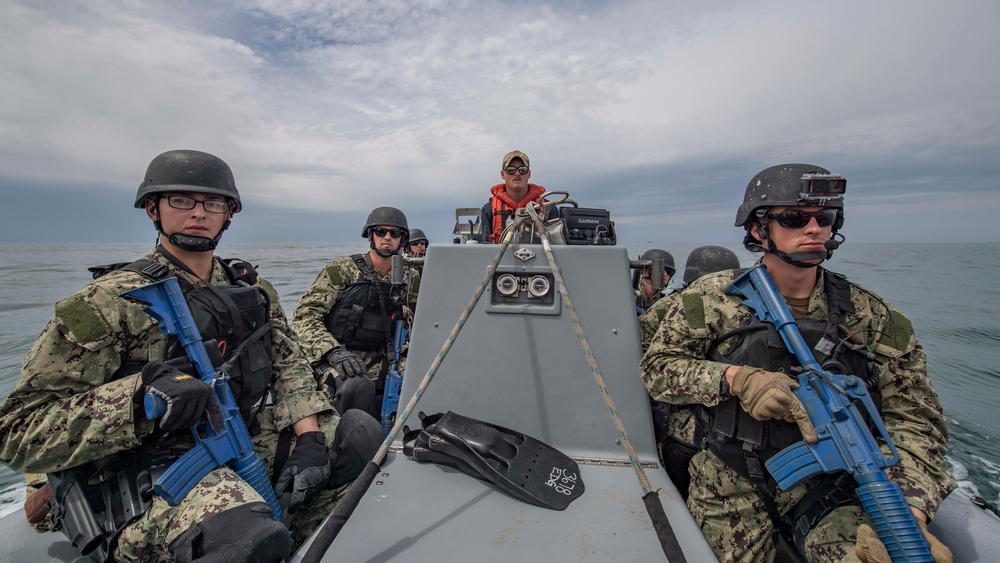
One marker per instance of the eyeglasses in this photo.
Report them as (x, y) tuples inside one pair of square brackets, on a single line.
[(793, 219), (382, 231), (515, 169), (418, 243), (210, 205)]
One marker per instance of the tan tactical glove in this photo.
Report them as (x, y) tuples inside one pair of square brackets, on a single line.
[(870, 549), (768, 395)]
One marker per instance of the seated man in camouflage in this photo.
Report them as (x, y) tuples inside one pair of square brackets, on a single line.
[(710, 350), (77, 412), (346, 319), (673, 425)]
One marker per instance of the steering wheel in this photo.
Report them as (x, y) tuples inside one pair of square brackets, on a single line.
[(564, 199)]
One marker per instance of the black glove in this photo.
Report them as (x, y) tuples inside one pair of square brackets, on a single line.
[(187, 397), (307, 470), (346, 363)]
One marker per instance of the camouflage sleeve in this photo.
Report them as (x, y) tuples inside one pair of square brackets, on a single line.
[(913, 415), (316, 302), (63, 412), (674, 368), (412, 289), (296, 394), (649, 322)]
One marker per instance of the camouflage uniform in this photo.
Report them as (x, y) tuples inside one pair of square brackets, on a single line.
[(318, 301), (649, 321), (644, 303), (66, 410), (727, 505), (680, 421)]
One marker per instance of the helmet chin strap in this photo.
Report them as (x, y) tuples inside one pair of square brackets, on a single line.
[(384, 253), (796, 258), (190, 243)]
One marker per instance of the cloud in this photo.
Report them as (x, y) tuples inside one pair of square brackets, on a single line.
[(659, 111)]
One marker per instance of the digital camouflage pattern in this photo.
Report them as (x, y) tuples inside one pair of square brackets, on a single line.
[(149, 538), (319, 300), (66, 410), (727, 507), (645, 303), (649, 322), (735, 522), (680, 424)]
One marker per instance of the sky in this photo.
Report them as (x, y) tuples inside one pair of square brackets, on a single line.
[(659, 111)]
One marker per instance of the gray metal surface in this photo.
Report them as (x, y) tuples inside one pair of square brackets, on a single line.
[(527, 371), (20, 543), (972, 534)]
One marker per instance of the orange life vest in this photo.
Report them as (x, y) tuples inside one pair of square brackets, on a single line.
[(503, 207)]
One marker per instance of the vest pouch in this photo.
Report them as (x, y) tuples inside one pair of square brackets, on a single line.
[(372, 334), (344, 322), (231, 315)]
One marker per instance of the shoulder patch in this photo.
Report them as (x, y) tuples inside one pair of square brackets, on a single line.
[(81, 320), (339, 271), (694, 309), (897, 331)]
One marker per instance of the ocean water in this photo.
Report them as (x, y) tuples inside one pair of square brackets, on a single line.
[(945, 289)]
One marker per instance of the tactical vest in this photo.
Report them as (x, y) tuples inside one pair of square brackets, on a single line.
[(234, 315), (361, 319), (735, 437)]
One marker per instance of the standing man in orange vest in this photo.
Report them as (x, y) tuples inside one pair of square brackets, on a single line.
[(515, 192)]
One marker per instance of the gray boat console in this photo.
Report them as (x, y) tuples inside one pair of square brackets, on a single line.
[(518, 363)]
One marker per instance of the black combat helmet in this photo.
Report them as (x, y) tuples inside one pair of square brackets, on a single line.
[(386, 217), (417, 235), (668, 259), (709, 259), (187, 171), (183, 171), (791, 185)]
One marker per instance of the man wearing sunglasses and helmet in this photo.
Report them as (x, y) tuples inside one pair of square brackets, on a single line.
[(711, 350), (346, 319)]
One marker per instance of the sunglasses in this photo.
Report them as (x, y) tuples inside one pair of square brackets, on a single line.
[(792, 219), (517, 169), (419, 243), (382, 231)]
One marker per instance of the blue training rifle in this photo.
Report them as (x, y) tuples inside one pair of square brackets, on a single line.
[(393, 381), (845, 441), (230, 444)]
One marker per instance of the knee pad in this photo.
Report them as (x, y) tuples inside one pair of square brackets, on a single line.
[(355, 443), (353, 393), (245, 533)]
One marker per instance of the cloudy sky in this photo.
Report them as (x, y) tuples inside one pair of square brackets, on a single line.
[(660, 111)]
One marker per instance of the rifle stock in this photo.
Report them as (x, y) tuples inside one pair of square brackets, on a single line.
[(229, 444), (845, 441)]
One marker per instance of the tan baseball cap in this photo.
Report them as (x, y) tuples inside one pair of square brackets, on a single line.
[(512, 155)]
